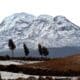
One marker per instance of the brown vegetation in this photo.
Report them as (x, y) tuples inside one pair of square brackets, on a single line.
[(69, 66)]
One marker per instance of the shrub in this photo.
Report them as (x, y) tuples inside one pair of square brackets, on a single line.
[(48, 78), (31, 78), (41, 78)]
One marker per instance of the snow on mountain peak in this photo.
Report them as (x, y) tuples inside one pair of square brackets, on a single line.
[(59, 18), (64, 24), (49, 31), (45, 17), (16, 19)]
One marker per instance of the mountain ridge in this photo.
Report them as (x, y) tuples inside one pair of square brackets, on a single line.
[(47, 30)]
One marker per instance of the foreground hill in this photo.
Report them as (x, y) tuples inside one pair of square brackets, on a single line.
[(60, 66), (68, 66)]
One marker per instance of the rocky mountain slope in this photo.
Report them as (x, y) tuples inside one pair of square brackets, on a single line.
[(47, 30)]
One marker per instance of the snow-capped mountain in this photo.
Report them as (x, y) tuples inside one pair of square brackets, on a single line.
[(47, 30)]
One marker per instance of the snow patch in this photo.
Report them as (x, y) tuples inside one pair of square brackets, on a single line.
[(9, 63), (9, 75), (17, 62)]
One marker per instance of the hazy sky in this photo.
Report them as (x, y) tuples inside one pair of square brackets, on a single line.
[(68, 8)]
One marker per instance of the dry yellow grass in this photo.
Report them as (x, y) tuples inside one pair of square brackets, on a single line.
[(60, 64)]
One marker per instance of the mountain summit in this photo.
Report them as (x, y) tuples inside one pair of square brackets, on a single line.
[(47, 30)]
